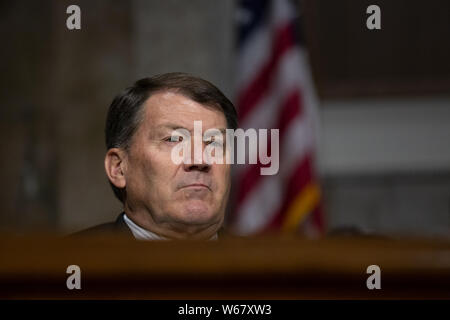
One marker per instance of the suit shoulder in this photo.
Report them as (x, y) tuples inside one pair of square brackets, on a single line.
[(117, 227), (98, 229)]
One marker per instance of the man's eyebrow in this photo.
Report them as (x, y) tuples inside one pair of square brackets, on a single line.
[(171, 126), (223, 131), (174, 126)]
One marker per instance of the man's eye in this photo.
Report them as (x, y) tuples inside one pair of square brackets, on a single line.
[(174, 139), (214, 142)]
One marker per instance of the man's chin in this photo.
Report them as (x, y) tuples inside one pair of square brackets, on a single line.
[(197, 213)]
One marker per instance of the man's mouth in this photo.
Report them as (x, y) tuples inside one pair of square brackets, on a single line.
[(197, 185)]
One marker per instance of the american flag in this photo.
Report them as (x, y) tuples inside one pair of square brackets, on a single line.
[(275, 90)]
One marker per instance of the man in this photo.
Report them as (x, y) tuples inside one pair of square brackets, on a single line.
[(162, 199)]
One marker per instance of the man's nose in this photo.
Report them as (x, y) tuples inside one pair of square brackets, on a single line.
[(197, 158), (204, 167)]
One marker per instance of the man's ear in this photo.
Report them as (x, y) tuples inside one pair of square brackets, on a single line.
[(115, 167)]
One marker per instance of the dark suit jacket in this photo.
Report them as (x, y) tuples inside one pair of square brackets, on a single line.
[(116, 227)]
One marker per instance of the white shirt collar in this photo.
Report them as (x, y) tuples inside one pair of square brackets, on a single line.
[(142, 234)]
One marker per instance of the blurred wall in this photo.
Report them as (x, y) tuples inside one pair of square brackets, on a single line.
[(385, 164), (189, 36), (28, 143), (57, 85), (91, 66)]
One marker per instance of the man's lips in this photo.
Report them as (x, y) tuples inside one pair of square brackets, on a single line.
[(197, 185)]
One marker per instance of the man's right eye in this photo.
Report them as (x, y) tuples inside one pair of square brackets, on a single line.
[(174, 139)]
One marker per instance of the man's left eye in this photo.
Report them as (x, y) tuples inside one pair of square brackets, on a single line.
[(174, 139), (213, 142)]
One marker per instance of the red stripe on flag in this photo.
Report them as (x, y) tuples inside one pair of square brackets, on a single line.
[(300, 177), (318, 218), (249, 98), (247, 183), (251, 177), (297, 181), (290, 109)]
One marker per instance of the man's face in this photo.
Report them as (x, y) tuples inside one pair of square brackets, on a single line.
[(174, 195)]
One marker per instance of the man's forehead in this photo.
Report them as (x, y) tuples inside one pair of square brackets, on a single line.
[(168, 109)]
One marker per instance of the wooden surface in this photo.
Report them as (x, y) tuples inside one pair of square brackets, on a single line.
[(262, 268)]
